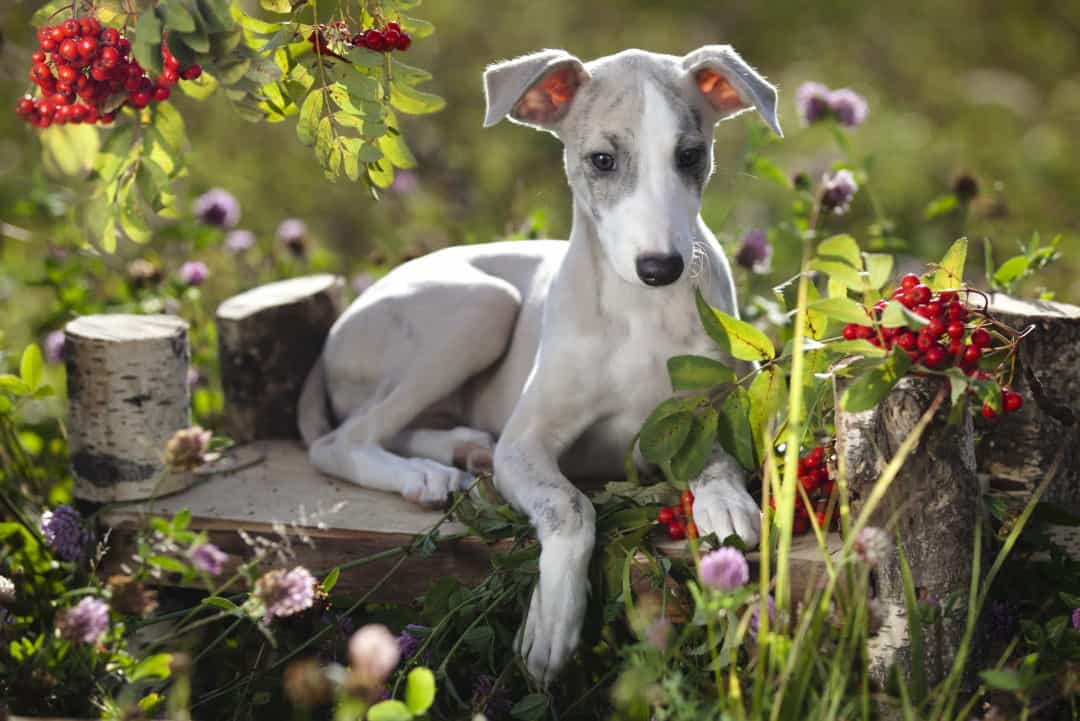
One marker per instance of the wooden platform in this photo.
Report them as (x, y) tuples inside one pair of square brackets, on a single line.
[(267, 488)]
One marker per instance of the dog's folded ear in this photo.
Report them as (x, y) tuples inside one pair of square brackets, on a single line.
[(730, 85), (534, 89)]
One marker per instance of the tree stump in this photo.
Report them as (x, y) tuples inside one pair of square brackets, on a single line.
[(933, 503), (268, 340), (1020, 448), (127, 396)]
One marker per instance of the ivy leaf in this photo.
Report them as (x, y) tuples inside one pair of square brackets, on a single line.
[(736, 337), (841, 247), (308, 122), (695, 372), (950, 272), (690, 460), (870, 388)]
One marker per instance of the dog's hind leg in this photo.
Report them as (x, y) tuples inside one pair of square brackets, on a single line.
[(398, 356)]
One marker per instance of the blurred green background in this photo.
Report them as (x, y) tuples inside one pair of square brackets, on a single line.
[(988, 88)]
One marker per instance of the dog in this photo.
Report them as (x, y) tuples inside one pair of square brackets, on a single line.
[(549, 355)]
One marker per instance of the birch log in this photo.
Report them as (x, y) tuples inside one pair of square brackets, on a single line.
[(1020, 448), (268, 340), (933, 503), (127, 396)]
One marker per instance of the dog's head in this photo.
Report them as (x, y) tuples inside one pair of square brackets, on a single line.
[(637, 129)]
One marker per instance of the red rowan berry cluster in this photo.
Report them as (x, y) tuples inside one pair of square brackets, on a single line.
[(946, 340), (678, 519), (814, 477), (390, 38), (81, 68)]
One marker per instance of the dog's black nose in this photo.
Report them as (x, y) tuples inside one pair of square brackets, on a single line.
[(656, 269)]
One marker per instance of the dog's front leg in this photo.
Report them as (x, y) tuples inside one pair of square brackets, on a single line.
[(527, 474), (722, 505)]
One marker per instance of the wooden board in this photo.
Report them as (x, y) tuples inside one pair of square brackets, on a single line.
[(268, 487)]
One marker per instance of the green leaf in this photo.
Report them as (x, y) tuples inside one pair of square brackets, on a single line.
[(308, 122), (690, 460), (276, 6), (662, 438), (950, 272), (915, 629), (734, 431), (841, 247), (844, 310), (839, 271), (147, 44), (31, 367), (392, 710), (411, 101), (1011, 269), (416, 27), (70, 150), (169, 124), (220, 602), (167, 563), (530, 708), (1004, 680), (761, 167), (870, 388), (154, 667), (738, 338), (765, 393), (695, 372), (331, 580), (182, 519), (216, 15), (177, 17), (879, 266), (856, 347), (897, 315), (14, 385), (940, 205), (395, 150), (420, 690)]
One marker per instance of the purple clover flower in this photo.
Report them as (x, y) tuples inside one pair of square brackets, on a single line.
[(208, 558), (1076, 619), (285, 593), (754, 625), (724, 569), (755, 252), (237, 241), (837, 190), (64, 532), (218, 207), (54, 346), (848, 106), (361, 282), (292, 233), (194, 272), (405, 182), (812, 100), (410, 639), (493, 702), (86, 622)]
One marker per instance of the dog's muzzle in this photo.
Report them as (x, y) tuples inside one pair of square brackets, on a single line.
[(658, 270)]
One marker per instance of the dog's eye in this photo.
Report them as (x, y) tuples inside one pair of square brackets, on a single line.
[(688, 157), (604, 162)]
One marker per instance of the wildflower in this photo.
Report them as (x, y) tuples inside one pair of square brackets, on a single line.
[(143, 273), (724, 569), (837, 191), (965, 187), (305, 684), (361, 282), (812, 100), (373, 655), (193, 272), (755, 253), (86, 622), (872, 545), (7, 591), (237, 241), (1076, 619), (292, 233), (185, 450), (54, 346), (754, 624), (405, 182), (131, 598), (493, 702), (848, 107), (409, 640), (64, 532), (218, 207), (208, 558), (285, 593)]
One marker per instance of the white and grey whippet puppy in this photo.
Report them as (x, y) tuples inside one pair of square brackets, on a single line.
[(551, 353)]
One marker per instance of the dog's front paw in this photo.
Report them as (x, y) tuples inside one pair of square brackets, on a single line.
[(725, 507), (430, 483), (557, 609)]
